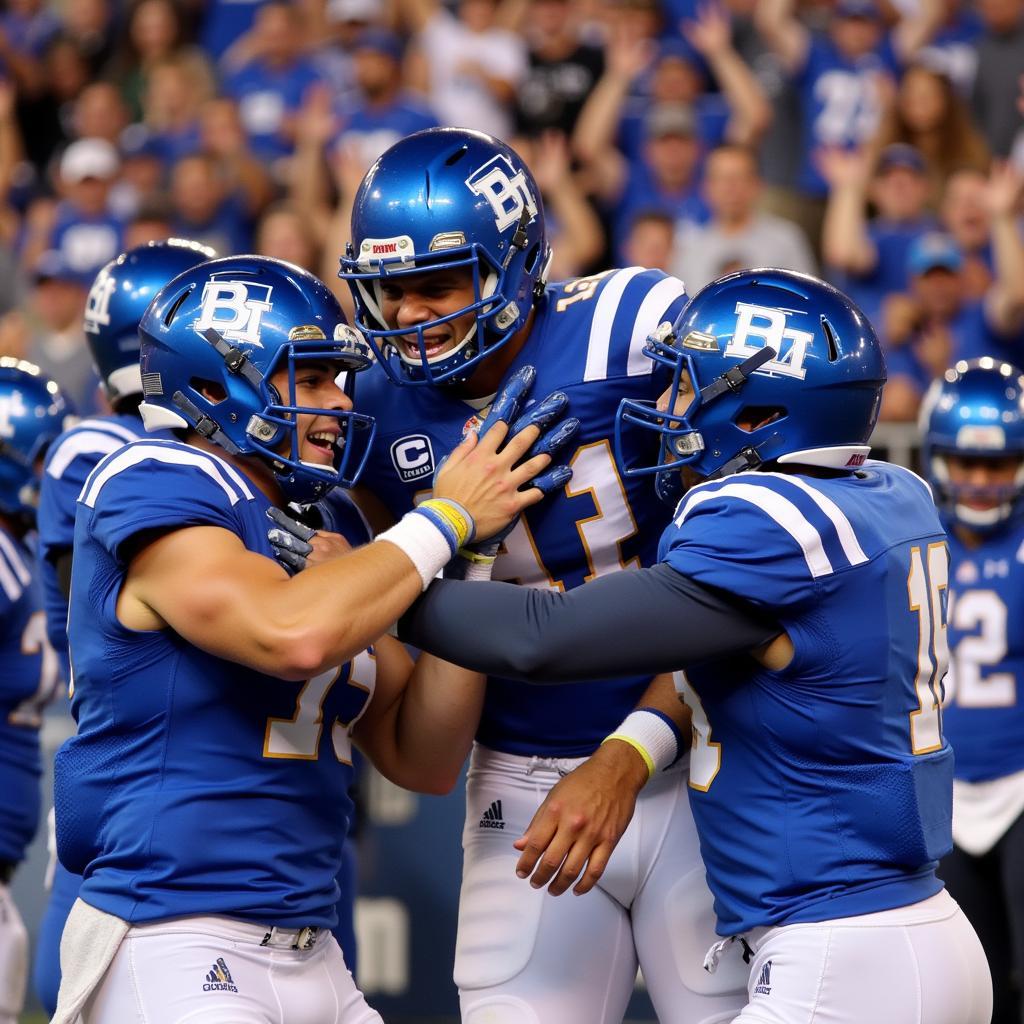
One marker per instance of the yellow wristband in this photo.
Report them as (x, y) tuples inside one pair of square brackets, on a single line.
[(453, 514), (638, 747), (476, 557)]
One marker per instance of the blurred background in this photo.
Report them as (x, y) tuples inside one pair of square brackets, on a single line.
[(879, 144)]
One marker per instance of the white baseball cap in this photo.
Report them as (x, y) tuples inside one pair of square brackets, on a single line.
[(89, 158)]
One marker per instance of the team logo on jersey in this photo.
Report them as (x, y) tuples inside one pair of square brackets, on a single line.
[(505, 189), (413, 457), (764, 980), (11, 405), (967, 573), (219, 978), (491, 818), (769, 327), (234, 309), (97, 305)]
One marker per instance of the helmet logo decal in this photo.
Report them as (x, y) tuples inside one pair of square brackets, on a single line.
[(505, 189), (11, 405), (235, 309), (974, 435), (97, 305), (769, 325)]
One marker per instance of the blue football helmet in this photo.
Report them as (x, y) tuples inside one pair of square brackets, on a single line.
[(33, 411), (768, 366), (976, 409), (232, 323), (119, 295), (447, 198)]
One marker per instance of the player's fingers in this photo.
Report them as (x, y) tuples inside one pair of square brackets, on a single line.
[(524, 499), (529, 469), (551, 859), (596, 863), (572, 866), (552, 479), (534, 841), (459, 452), (519, 444), (492, 440)]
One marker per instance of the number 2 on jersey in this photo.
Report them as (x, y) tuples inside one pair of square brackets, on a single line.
[(927, 579)]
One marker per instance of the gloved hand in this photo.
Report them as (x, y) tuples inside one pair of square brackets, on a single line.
[(290, 540), (474, 561)]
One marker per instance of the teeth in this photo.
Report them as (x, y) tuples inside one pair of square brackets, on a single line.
[(324, 436)]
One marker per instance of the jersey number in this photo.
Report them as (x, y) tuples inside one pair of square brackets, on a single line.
[(602, 535), (298, 738), (927, 579), (967, 682), (29, 712), (705, 755)]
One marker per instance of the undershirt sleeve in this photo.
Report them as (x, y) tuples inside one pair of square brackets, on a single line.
[(628, 623)]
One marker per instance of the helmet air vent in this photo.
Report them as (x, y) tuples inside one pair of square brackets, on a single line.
[(831, 340), (455, 157), (172, 310)]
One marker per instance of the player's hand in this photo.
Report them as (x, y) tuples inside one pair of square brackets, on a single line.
[(581, 820), (501, 470), (297, 546)]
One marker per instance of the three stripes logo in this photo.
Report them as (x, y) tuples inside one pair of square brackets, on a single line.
[(764, 981), (491, 818), (219, 979)]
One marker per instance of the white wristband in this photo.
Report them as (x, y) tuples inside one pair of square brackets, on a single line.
[(652, 735), (424, 543)]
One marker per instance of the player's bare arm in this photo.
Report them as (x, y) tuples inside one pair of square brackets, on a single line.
[(251, 612)]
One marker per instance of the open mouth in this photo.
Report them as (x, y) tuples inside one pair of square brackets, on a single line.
[(433, 347), (326, 444)]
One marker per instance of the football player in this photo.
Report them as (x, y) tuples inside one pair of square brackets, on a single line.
[(802, 589), (973, 426), (32, 413), (119, 295), (448, 265), (204, 797)]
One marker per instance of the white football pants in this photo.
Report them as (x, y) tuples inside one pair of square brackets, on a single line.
[(214, 970), (526, 957), (920, 964), (13, 958)]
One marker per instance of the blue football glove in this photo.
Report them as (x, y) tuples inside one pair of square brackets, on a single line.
[(474, 561), (290, 540)]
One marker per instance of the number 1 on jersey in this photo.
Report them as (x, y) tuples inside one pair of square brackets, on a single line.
[(926, 581)]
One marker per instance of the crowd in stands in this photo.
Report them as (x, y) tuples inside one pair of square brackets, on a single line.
[(879, 143)]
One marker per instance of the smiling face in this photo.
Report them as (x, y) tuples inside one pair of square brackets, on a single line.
[(316, 387), (417, 299)]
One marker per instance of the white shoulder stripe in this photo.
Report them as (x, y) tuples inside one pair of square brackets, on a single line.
[(844, 528), (601, 326), (781, 509), (170, 455), (14, 576), (109, 427), (652, 309), (82, 442)]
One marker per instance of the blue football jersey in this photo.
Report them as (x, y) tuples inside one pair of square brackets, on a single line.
[(69, 460), (983, 717), (194, 785), (586, 340), (823, 790), (28, 681)]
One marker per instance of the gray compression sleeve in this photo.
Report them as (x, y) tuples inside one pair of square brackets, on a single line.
[(629, 623)]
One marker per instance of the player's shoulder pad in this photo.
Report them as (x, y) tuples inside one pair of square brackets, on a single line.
[(760, 517), (161, 484), (91, 439), (159, 471), (904, 476), (611, 314), (15, 571)]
